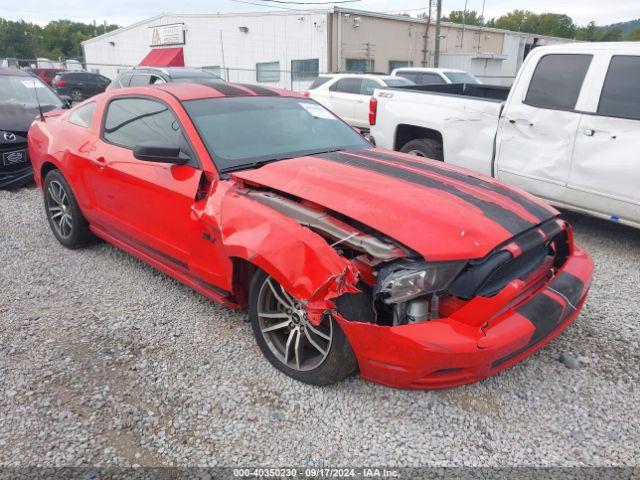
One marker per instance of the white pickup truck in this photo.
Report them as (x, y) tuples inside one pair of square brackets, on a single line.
[(568, 130)]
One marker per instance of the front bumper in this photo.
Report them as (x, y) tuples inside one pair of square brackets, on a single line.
[(482, 338), (15, 178)]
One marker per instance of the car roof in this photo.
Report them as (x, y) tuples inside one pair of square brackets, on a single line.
[(167, 70), (359, 75), (14, 72), (196, 91), (428, 70)]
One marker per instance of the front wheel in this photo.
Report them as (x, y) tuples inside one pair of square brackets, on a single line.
[(319, 355), (65, 218)]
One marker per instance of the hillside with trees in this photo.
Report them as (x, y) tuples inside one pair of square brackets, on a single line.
[(552, 24), (58, 39)]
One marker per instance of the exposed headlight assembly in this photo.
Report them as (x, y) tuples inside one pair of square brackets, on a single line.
[(407, 279)]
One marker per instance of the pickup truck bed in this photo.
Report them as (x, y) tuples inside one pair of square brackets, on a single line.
[(467, 115)]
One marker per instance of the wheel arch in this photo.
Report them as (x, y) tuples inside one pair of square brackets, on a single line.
[(405, 133)]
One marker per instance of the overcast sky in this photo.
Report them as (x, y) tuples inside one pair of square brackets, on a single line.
[(124, 12)]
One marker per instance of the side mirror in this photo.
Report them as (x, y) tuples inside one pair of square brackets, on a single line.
[(66, 100), (159, 153)]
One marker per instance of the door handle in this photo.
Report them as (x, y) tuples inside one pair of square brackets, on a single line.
[(516, 120), (589, 132), (100, 162)]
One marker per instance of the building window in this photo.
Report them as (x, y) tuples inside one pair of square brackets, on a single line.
[(358, 65), (393, 64), (305, 69), (268, 72)]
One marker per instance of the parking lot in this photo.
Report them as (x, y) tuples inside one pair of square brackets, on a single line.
[(106, 361)]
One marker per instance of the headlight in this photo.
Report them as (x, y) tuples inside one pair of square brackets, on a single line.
[(407, 279)]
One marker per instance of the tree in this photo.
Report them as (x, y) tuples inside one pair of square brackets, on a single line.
[(60, 38), (590, 33), (470, 17), (633, 35), (612, 35)]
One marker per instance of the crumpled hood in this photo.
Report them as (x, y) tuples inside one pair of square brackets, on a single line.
[(440, 211), (17, 117)]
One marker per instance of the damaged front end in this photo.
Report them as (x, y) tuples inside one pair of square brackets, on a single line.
[(416, 323)]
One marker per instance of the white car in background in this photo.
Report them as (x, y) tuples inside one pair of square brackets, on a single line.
[(435, 76), (347, 95)]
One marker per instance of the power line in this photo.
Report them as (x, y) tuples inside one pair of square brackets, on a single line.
[(310, 3), (269, 6)]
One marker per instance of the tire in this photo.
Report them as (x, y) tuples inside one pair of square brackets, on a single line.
[(424, 147), (76, 95), (330, 360), (68, 224)]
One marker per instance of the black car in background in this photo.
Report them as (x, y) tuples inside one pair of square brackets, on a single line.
[(20, 94), (145, 76), (79, 85)]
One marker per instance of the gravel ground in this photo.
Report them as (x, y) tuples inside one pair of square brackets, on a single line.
[(106, 361)]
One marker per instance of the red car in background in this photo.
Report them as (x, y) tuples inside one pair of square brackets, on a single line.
[(420, 274), (47, 74)]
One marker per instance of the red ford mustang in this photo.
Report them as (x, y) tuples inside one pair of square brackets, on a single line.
[(416, 273)]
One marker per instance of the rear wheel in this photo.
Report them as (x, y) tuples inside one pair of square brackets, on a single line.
[(65, 218), (76, 95), (319, 355), (424, 147)]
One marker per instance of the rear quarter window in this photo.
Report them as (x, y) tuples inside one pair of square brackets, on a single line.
[(82, 116), (318, 82), (620, 95), (557, 81)]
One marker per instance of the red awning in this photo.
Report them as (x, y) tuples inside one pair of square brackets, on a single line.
[(164, 57)]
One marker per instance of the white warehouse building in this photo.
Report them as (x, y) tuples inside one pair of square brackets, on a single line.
[(288, 49)]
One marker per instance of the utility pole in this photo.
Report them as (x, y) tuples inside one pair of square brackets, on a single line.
[(425, 49), (436, 55)]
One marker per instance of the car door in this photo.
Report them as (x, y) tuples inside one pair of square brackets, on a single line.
[(343, 96), (141, 203), (605, 170), (539, 125)]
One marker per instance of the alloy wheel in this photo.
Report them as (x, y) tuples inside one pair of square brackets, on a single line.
[(76, 96), (286, 329), (59, 209)]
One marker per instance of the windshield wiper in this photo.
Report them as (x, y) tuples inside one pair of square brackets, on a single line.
[(260, 163)]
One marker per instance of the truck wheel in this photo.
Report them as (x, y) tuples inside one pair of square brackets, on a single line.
[(424, 147), (319, 355), (63, 213)]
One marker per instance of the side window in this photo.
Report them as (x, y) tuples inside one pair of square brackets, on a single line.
[(557, 81), (318, 82), (140, 80), (125, 79), (413, 76), (347, 85), (82, 116), (132, 121), (368, 86), (431, 79), (620, 95)]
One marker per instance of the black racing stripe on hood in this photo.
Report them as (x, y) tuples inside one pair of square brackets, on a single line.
[(507, 219), (229, 90), (531, 206), (258, 90)]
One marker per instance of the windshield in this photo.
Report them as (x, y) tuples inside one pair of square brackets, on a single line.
[(461, 77), (398, 82), (241, 132), (18, 89)]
